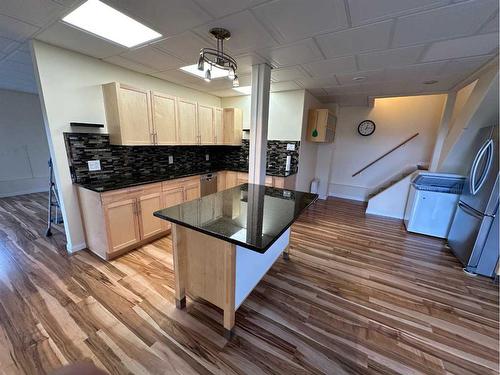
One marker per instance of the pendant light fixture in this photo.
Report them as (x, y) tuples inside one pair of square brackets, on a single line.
[(218, 58)]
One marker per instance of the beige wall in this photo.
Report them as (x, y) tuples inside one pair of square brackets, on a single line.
[(24, 151), (396, 119), (285, 113), (70, 90)]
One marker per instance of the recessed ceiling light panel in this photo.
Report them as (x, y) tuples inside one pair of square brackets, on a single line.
[(247, 90), (214, 71), (108, 23)]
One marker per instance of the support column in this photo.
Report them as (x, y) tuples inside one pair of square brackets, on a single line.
[(259, 116)]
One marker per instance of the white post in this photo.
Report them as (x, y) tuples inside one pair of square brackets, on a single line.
[(259, 115)]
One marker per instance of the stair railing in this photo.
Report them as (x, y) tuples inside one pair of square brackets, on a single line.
[(387, 153)]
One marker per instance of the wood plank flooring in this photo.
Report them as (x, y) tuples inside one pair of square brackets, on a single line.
[(358, 296)]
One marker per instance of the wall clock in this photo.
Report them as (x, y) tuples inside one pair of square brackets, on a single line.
[(366, 128)]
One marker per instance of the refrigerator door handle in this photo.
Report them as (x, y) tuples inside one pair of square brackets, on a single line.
[(486, 148), (469, 210)]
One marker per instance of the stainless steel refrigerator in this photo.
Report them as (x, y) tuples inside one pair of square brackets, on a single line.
[(478, 205)]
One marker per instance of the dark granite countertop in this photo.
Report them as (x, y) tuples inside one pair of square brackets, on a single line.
[(101, 186), (252, 216)]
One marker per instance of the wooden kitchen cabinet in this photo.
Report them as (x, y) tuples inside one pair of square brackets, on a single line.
[(206, 125), (233, 126), (164, 109), (221, 180), (192, 191), (231, 179), (321, 125), (187, 122), (242, 178), (122, 224), (128, 114), (218, 126), (149, 225)]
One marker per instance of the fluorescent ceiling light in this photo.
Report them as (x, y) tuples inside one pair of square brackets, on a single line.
[(247, 90), (102, 20), (214, 72)]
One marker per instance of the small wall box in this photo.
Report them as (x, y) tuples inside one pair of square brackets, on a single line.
[(321, 126)]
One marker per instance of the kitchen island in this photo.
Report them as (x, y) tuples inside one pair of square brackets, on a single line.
[(224, 243)]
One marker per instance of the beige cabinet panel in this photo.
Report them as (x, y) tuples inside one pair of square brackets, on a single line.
[(231, 179), (135, 116), (122, 224), (206, 125), (221, 180), (242, 178), (164, 108), (150, 225), (187, 122), (172, 197), (218, 126), (233, 126), (192, 191), (321, 125)]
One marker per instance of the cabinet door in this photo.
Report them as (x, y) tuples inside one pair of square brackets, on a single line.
[(206, 124), (218, 126), (164, 119), (172, 197), (135, 116), (122, 224), (233, 125), (188, 124), (231, 179), (221, 181), (148, 224), (242, 178), (192, 191)]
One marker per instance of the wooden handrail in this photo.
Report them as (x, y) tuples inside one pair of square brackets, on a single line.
[(387, 153)]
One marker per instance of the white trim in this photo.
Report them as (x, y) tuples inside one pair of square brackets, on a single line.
[(74, 248)]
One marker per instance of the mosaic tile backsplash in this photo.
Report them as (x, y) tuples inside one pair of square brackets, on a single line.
[(141, 161)]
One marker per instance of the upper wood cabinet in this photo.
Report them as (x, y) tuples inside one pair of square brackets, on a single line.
[(164, 108), (128, 114), (233, 126), (321, 125), (188, 122), (206, 124), (140, 117)]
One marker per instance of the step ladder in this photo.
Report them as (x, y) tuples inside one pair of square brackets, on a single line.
[(53, 203)]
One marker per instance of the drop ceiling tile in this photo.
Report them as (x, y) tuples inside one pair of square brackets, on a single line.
[(10, 66), (352, 41), (327, 68), (8, 45), (35, 12), (247, 34), (246, 61), (318, 92), (491, 25), (418, 72), (14, 29), (293, 20), (221, 8), (129, 64), (186, 46), (287, 74), (363, 11), (467, 65), (227, 93), (153, 58), (284, 86), (313, 83), (369, 77), (463, 47), (293, 54), (389, 58), (447, 22), (177, 76), (167, 17), (63, 35), (22, 57)]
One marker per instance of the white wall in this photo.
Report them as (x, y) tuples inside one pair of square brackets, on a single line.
[(308, 150), (24, 151), (70, 90), (285, 113), (396, 119)]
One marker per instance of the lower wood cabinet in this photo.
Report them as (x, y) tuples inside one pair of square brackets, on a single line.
[(149, 225), (122, 224)]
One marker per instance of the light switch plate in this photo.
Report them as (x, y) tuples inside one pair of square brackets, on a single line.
[(170, 159), (94, 165), (207, 157), (290, 147)]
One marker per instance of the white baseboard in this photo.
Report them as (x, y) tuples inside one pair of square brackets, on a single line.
[(74, 248), (352, 192)]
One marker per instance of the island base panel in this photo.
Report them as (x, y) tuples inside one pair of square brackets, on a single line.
[(205, 267), (180, 303), (286, 253)]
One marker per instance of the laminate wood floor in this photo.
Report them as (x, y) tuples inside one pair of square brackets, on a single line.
[(358, 296)]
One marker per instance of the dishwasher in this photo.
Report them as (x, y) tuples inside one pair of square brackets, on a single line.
[(208, 184)]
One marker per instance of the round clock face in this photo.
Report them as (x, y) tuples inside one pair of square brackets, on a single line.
[(366, 128)]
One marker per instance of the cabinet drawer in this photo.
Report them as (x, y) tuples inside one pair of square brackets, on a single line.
[(180, 182), (129, 193)]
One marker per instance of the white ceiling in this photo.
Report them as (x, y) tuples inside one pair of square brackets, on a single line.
[(320, 45)]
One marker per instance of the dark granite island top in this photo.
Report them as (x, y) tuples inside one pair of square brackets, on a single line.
[(224, 243), (252, 216)]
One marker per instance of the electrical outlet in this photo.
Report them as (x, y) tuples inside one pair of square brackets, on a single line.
[(170, 159), (207, 157), (290, 147), (94, 165)]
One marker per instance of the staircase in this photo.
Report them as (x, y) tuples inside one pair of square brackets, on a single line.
[(390, 198)]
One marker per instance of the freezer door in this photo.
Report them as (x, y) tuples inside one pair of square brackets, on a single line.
[(483, 174), (468, 234)]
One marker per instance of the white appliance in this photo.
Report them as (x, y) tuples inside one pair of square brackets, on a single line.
[(432, 202)]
